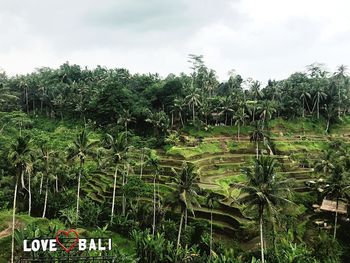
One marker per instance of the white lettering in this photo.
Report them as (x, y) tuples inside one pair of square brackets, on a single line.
[(25, 246), (92, 245), (35, 245), (82, 244), (100, 247), (53, 245), (44, 243), (110, 244)]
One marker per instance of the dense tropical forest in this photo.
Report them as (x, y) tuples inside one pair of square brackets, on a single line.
[(178, 169)]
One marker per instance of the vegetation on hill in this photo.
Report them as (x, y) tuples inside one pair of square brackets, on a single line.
[(180, 169)]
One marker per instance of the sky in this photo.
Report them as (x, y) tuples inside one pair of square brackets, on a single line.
[(268, 39)]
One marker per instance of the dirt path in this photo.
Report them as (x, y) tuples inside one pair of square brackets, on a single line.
[(7, 232)]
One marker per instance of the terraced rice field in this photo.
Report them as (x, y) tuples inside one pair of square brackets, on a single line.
[(218, 170)]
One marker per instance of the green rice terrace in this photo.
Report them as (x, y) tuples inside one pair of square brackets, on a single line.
[(181, 169)]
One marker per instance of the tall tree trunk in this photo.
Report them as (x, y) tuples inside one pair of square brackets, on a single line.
[(56, 183), (335, 220), (254, 113), (172, 119), (180, 229), (261, 239), (27, 102), (257, 150), (339, 102), (193, 112), (41, 183), (22, 180), (303, 107), (182, 122), (211, 232), (154, 206), (46, 193), (123, 195), (327, 127), (33, 106), (226, 118), (126, 132), (141, 164), (78, 191), (238, 130), (318, 107), (29, 195), (13, 223), (114, 188), (125, 178)]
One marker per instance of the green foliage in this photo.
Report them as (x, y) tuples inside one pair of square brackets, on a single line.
[(151, 249), (90, 213), (188, 152)]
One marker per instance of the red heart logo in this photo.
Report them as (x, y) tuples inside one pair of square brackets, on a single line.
[(66, 233)]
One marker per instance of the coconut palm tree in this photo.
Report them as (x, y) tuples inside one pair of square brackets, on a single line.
[(267, 109), (145, 152), (179, 103), (125, 118), (257, 136), (226, 108), (338, 186), (193, 100), (239, 118), (118, 149), (211, 199), (185, 195), (263, 192), (340, 76), (81, 149), (256, 93), (47, 155), (319, 97), (153, 161), (304, 97), (19, 156)]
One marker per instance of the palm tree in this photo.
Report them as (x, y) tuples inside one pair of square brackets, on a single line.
[(318, 98), (178, 106), (257, 93), (47, 156), (340, 76), (305, 96), (185, 195), (19, 155), (81, 149), (226, 108), (143, 159), (193, 100), (257, 136), (159, 120), (263, 191), (239, 118), (331, 115), (118, 149), (211, 200), (267, 108), (153, 161), (338, 187), (124, 119)]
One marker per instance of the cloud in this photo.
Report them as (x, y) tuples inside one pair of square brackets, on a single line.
[(260, 39)]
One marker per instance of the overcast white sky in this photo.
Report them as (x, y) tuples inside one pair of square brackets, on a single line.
[(261, 39)]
